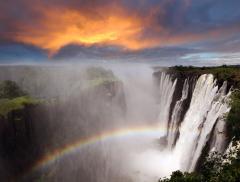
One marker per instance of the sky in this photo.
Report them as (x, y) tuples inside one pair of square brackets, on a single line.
[(172, 32)]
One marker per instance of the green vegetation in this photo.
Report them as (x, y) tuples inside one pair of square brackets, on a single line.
[(101, 81), (12, 97), (217, 167), (222, 73), (9, 89), (178, 176), (99, 76), (98, 72), (233, 118), (8, 105), (231, 74)]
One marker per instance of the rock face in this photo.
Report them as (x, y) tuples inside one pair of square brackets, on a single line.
[(16, 135), (30, 131), (185, 74), (212, 128), (18, 148)]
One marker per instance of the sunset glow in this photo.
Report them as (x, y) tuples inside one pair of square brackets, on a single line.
[(62, 28), (105, 29)]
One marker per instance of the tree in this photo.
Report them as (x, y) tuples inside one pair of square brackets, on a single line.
[(9, 90)]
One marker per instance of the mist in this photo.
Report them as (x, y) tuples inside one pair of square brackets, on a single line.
[(113, 122), (73, 111)]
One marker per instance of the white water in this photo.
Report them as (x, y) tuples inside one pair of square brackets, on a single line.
[(166, 90), (140, 155), (218, 109), (219, 140), (173, 128), (136, 156), (207, 108), (207, 105)]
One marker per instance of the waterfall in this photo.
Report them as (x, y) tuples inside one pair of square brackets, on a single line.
[(166, 90), (207, 105), (173, 128), (218, 142), (217, 110)]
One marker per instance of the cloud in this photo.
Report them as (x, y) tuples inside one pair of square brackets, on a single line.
[(169, 31), (131, 24), (115, 53)]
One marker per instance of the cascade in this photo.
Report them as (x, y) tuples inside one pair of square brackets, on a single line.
[(219, 140), (119, 121), (218, 108), (208, 104), (166, 90), (175, 118)]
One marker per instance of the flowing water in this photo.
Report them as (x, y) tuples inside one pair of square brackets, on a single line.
[(175, 118), (166, 90), (95, 140), (207, 105)]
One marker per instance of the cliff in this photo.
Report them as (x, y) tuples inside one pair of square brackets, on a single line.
[(17, 143), (230, 74), (30, 128)]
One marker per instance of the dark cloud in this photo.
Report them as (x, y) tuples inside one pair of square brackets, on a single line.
[(113, 29), (107, 53)]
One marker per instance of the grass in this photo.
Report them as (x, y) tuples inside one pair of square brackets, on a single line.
[(8, 105)]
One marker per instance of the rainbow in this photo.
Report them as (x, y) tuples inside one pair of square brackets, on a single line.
[(56, 154)]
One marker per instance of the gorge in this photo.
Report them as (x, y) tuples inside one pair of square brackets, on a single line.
[(111, 123)]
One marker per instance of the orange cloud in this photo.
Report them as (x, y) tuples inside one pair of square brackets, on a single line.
[(58, 28), (54, 27)]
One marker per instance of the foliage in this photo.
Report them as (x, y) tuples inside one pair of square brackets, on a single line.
[(99, 76), (98, 72), (231, 74), (8, 105), (222, 73), (216, 168), (100, 81), (233, 118), (9, 89), (12, 97), (178, 176)]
